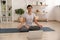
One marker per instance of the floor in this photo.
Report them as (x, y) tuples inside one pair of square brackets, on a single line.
[(53, 35)]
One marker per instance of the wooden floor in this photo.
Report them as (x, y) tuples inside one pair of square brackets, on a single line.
[(53, 35)]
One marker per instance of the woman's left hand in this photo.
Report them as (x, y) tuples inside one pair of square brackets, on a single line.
[(40, 26)]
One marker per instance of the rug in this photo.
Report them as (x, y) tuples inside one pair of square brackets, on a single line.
[(15, 30)]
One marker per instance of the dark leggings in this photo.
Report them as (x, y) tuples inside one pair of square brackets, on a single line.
[(31, 28), (34, 28)]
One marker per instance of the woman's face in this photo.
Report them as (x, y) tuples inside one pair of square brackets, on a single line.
[(29, 9)]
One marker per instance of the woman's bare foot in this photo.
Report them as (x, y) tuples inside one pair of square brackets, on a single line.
[(20, 25), (27, 26)]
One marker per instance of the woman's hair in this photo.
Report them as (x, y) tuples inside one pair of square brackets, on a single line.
[(29, 6)]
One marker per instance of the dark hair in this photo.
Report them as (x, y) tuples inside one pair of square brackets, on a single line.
[(29, 6)]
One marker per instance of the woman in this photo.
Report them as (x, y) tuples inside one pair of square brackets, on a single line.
[(29, 17)]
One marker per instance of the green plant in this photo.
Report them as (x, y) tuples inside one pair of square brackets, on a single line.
[(9, 14), (19, 11), (4, 2)]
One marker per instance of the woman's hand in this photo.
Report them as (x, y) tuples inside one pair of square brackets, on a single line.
[(40, 26), (36, 22)]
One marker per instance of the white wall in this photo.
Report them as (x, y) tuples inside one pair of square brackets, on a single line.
[(57, 11), (0, 7), (51, 4), (16, 4)]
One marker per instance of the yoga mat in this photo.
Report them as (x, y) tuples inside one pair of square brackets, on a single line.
[(15, 30)]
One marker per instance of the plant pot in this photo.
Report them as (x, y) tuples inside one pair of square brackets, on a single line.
[(9, 14)]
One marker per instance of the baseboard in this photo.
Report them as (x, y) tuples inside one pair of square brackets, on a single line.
[(58, 21), (53, 21), (42, 20), (38, 21)]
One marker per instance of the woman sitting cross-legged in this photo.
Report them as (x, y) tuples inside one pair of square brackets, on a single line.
[(28, 19)]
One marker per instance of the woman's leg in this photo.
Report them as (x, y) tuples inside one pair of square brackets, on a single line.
[(34, 28), (40, 26), (23, 25), (20, 25), (27, 26), (23, 28)]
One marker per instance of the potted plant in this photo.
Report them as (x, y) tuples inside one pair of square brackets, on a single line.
[(19, 12), (4, 2), (9, 14), (41, 3)]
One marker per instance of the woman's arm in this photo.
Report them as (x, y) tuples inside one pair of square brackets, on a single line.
[(21, 22), (36, 22)]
